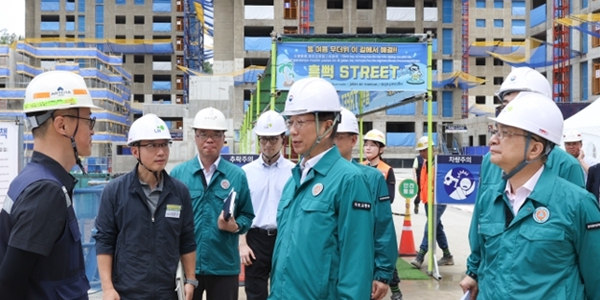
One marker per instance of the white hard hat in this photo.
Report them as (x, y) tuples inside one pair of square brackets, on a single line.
[(375, 135), (55, 90), (534, 113), (148, 127), (572, 136), (270, 123), (310, 95), (423, 143), (348, 123), (51, 91), (210, 118), (525, 79)]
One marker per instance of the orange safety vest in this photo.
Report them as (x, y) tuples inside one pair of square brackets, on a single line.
[(381, 166), (423, 183)]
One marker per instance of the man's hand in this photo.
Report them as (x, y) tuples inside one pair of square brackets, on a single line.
[(189, 291), (581, 154), (470, 284), (246, 255), (110, 294), (230, 225), (379, 290)]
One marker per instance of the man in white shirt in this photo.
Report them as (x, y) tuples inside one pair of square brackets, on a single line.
[(573, 144), (266, 179)]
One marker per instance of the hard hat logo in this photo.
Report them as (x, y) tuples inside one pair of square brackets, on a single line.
[(159, 129), (290, 98), (513, 78), (60, 92)]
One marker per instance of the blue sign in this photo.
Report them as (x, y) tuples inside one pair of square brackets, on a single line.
[(356, 66), (239, 159), (457, 178), (374, 100)]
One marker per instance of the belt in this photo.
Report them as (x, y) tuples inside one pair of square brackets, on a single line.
[(268, 232)]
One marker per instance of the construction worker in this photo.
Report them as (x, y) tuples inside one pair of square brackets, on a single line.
[(537, 237), (266, 178), (210, 180), (522, 79), (374, 145), (145, 223), (40, 243), (325, 217), (417, 165), (573, 143), (440, 236), (386, 245)]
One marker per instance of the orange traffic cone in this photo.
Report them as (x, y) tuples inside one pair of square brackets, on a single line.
[(407, 241), (242, 277)]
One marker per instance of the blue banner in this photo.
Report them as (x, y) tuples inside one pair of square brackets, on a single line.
[(375, 100), (239, 159), (457, 178), (360, 66)]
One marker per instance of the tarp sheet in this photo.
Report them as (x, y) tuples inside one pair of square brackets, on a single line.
[(257, 43), (161, 65), (107, 116), (481, 110), (161, 85), (259, 12), (400, 14), (408, 109), (161, 26)]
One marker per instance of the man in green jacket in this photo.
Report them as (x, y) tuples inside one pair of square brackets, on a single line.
[(386, 245), (523, 79), (538, 236), (210, 179), (325, 240)]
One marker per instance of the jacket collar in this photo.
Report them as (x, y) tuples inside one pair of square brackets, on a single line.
[(539, 194)]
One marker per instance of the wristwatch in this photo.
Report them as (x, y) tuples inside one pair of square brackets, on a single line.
[(382, 280), (472, 275), (192, 282)]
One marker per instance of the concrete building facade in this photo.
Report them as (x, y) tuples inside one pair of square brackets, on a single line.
[(237, 22)]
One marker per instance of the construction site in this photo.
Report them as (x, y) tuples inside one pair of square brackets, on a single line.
[(405, 67), (149, 56)]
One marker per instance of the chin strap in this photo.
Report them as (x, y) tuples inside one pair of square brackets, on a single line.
[(155, 173), (270, 160), (74, 146), (525, 162)]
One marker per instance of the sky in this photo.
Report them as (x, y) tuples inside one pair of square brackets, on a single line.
[(12, 16)]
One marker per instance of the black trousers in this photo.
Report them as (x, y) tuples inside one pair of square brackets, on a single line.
[(217, 287), (262, 243), (395, 278)]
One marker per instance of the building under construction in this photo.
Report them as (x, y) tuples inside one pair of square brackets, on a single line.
[(108, 82)]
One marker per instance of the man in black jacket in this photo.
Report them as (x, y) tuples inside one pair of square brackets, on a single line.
[(145, 223), (593, 180)]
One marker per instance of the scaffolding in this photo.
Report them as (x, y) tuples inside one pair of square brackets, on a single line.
[(465, 56), (304, 16), (561, 54)]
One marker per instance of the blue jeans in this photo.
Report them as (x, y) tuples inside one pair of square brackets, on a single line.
[(440, 235)]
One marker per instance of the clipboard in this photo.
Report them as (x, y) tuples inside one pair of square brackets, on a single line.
[(229, 205), (466, 296)]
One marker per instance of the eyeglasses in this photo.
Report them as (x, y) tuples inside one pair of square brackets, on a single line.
[(268, 139), (341, 135), (91, 122), (501, 134), (298, 123), (215, 136), (156, 146)]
